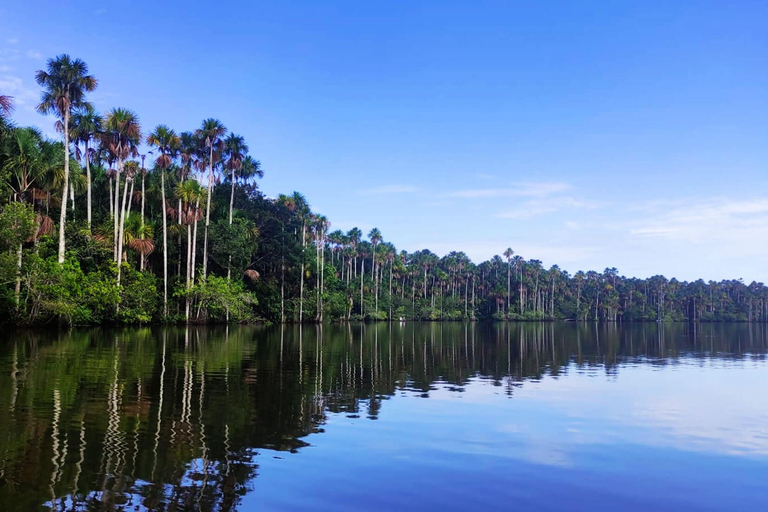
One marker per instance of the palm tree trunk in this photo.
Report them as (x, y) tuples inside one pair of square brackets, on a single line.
[(208, 213), (165, 246), (508, 285), (111, 208), (120, 232), (116, 216), (229, 265), (88, 184), (194, 241), (282, 279), (63, 214), (362, 278), (390, 291), (142, 201), (189, 267), (17, 289), (322, 273), (301, 290)]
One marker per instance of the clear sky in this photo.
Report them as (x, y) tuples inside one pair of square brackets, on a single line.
[(587, 134)]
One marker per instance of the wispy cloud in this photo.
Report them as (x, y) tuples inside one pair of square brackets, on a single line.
[(541, 206), (705, 220), (525, 189), (23, 96), (34, 54), (13, 40), (389, 189)]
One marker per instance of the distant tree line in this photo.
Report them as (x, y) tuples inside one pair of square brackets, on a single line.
[(121, 224)]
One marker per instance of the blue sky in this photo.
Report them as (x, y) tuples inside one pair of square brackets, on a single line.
[(584, 134)]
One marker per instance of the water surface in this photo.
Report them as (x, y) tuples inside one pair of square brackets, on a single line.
[(410, 417)]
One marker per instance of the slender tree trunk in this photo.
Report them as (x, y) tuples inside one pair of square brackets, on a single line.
[(301, 289), (282, 278), (120, 232), (165, 246), (509, 267), (231, 206), (116, 217), (189, 266), (88, 184), (362, 279), (111, 199), (63, 215), (194, 241), (208, 213), (17, 289), (390, 291)]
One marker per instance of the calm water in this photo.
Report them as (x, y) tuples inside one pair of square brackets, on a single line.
[(412, 417)]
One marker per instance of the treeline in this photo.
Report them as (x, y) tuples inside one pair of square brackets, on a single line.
[(117, 223)]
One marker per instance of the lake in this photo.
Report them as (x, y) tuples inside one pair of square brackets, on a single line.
[(386, 416)]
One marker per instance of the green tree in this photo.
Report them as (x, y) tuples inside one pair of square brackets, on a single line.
[(65, 81)]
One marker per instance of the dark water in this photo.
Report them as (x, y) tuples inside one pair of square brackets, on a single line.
[(413, 417)]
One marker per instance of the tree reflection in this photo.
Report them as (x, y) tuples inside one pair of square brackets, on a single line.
[(171, 419)]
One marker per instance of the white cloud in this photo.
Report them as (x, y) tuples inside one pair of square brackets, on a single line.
[(13, 40), (33, 54), (389, 189)]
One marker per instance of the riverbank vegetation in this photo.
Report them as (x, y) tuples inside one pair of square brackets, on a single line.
[(117, 222)]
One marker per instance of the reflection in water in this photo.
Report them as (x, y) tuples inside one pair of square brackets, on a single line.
[(174, 418)]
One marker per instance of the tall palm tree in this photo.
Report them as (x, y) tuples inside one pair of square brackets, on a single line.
[(190, 192), (235, 150), (86, 125), (167, 143), (122, 135), (508, 254), (322, 225), (375, 236), (301, 208), (212, 134), (65, 83)]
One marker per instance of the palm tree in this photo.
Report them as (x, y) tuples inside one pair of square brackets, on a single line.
[(375, 236), (122, 135), (190, 193), (251, 169), (321, 225), (6, 105), (301, 208), (24, 163), (508, 254), (212, 134), (235, 149), (86, 125), (139, 237), (65, 82), (167, 143), (6, 109)]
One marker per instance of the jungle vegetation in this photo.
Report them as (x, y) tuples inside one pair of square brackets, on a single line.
[(123, 223)]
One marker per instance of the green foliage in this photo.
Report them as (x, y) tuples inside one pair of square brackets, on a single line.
[(216, 296), (139, 298)]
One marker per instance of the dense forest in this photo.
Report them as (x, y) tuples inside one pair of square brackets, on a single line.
[(122, 223)]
